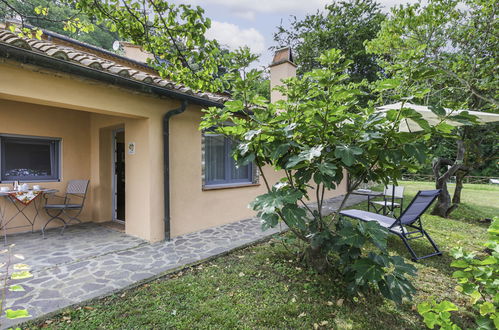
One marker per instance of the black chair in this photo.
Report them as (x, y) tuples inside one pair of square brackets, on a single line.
[(409, 220), (74, 199)]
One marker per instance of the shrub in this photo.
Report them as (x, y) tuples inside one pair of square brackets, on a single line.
[(478, 278)]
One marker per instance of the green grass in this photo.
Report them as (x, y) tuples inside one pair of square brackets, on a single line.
[(479, 201), (263, 286)]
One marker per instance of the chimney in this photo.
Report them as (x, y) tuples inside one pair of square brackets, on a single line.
[(135, 52), (282, 67)]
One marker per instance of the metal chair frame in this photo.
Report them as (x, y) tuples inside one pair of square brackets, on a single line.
[(72, 191), (414, 223), (389, 196)]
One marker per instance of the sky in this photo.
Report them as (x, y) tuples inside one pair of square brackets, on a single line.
[(237, 23)]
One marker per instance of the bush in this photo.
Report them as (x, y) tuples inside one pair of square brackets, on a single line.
[(478, 279), (378, 268)]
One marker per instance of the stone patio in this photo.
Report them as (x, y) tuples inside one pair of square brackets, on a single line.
[(91, 261)]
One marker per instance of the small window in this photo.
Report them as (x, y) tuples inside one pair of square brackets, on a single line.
[(29, 159), (220, 167)]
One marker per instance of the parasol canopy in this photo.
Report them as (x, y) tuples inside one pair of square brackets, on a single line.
[(409, 125)]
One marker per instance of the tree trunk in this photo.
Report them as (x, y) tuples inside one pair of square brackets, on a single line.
[(460, 175), (316, 258), (443, 202), (443, 205)]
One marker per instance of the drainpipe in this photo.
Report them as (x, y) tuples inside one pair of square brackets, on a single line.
[(166, 160)]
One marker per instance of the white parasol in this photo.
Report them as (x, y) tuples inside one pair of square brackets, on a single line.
[(408, 125)]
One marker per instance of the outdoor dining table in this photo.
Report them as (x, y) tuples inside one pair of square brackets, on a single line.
[(369, 193), (21, 200)]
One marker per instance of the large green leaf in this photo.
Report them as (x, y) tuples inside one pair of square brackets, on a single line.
[(275, 199), (16, 314), (327, 169), (269, 220), (281, 150), (248, 136), (417, 151), (424, 308), (430, 319), (377, 234), (21, 275), (380, 259), (234, 105), (347, 154), (385, 84), (487, 308), (485, 323), (306, 155), (16, 287), (490, 260), (464, 117), (438, 110), (401, 268), (459, 264), (351, 236), (367, 271), (396, 288), (445, 306), (294, 216), (444, 127)]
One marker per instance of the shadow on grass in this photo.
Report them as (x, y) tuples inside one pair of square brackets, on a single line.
[(368, 310), (471, 215), (423, 247)]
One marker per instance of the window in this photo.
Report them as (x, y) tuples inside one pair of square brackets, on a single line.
[(29, 158), (220, 167)]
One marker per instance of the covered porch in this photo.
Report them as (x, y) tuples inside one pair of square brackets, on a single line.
[(104, 134)]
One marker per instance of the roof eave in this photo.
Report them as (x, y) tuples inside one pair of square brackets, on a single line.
[(45, 61)]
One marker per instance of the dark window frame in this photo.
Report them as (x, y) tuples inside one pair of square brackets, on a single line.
[(55, 145), (229, 164)]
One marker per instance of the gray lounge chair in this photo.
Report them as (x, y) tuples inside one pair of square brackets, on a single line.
[(409, 220), (74, 199)]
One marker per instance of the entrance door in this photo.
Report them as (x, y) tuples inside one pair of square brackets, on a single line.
[(119, 175)]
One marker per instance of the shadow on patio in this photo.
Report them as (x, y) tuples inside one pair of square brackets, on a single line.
[(90, 261), (79, 242)]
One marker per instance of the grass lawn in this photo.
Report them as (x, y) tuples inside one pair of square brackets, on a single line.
[(263, 286)]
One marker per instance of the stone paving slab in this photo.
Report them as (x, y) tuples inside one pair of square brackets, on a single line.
[(78, 242), (90, 261)]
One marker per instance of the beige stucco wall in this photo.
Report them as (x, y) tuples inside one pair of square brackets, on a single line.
[(135, 52), (43, 121), (277, 74), (194, 208), (84, 113), (104, 107)]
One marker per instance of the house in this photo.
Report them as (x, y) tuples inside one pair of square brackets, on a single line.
[(69, 110)]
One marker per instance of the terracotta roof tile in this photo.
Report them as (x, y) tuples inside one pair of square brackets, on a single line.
[(282, 55), (144, 77), (119, 70), (80, 57), (90, 60), (106, 65), (45, 47), (58, 53), (15, 41), (91, 63), (72, 55)]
